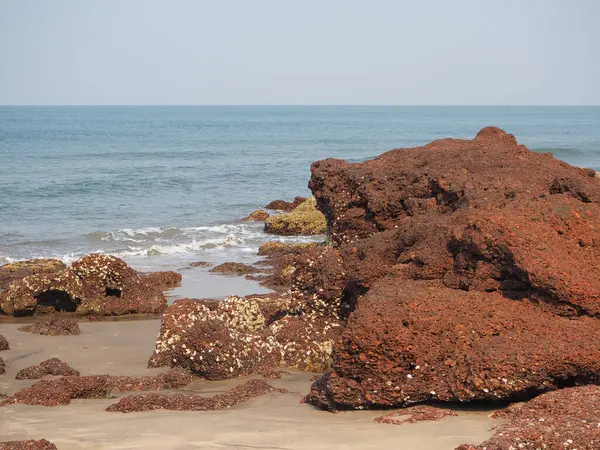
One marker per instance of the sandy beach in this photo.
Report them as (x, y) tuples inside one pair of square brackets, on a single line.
[(273, 421)]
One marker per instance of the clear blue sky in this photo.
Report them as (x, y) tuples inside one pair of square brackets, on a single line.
[(299, 52)]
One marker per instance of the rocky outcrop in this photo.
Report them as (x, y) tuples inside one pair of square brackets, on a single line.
[(162, 280), (257, 216), (195, 402), (21, 269), (97, 283), (439, 255), (562, 419), (3, 344), (282, 205), (304, 220), (54, 327), (41, 444), (230, 338), (62, 390), (52, 366), (233, 268)]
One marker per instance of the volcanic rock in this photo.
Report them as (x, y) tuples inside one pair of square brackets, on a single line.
[(31, 444), (62, 390), (233, 268), (3, 344), (97, 283), (257, 216), (54, 327), (52, 366), (416, 414), (194, 402), (162, 280), (439, 254), (282, 205), (21, 269), (230, 338), (562, 419), (304, 220)]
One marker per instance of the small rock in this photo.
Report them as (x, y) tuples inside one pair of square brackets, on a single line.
[(257, 216), (52, 366), (53, 327)]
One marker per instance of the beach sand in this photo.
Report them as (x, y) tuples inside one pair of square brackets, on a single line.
[(273, 421)]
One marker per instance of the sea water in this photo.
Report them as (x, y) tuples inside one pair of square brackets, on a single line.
[(164, 186)]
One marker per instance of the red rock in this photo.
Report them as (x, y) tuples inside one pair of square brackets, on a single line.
[(95, 284), (416, 414), (460, 240), (234, 268), (54, 327), (257, 216), (280, 205), (62, 390), (52, 366), (194, 402), (162, 280), (562, 419), (31, 444)]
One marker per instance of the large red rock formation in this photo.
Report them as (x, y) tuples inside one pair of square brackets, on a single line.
[(468, 269), (95, 284)]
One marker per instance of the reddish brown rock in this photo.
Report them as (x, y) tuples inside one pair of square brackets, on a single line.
[(3, 344), (31, 444), (97, 283), (54, 327), (62, 390), (163, 280), (408, 342), (194, 402), (257, 216), (451, 245), (562, 419), (415, 414), (233, 268), (21, 269), (52, 366), (282, 205)]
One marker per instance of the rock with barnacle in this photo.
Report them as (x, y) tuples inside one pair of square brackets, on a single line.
[(41, 444), (95, 284), (438, 255)]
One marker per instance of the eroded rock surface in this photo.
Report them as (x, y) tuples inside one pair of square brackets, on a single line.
[(439, 254), (52, 366), (62, 390), (97, 283), (41, 444), (233, 268), (21, 269), (303, 220), (562, 419), (194, 402), (56, 326)]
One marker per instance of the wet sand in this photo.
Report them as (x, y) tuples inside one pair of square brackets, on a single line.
[(273, 421)]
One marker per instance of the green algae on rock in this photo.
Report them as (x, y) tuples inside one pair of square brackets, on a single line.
[(304, 220)]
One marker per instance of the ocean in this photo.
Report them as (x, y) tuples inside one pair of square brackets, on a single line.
[(164, 186)]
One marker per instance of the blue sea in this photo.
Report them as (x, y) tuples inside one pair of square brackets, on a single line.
[(164, 186)]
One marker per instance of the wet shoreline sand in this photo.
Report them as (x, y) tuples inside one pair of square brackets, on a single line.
[(273, 421)]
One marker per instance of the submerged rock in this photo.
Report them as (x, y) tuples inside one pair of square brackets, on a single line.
[(97, 283), (52, 366), (54, 327), (195, 402), (416, 414), (439, 255), (562, 419), (257, 216), (304, 220), (21, 269)]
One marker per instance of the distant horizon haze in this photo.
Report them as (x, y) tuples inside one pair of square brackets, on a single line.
[(314, 53)]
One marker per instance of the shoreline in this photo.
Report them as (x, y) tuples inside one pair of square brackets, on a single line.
[(272, 421)]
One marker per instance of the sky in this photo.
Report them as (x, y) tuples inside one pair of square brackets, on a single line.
[(272, 52)]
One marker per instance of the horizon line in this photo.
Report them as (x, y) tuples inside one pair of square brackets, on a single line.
[(267, 105)]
